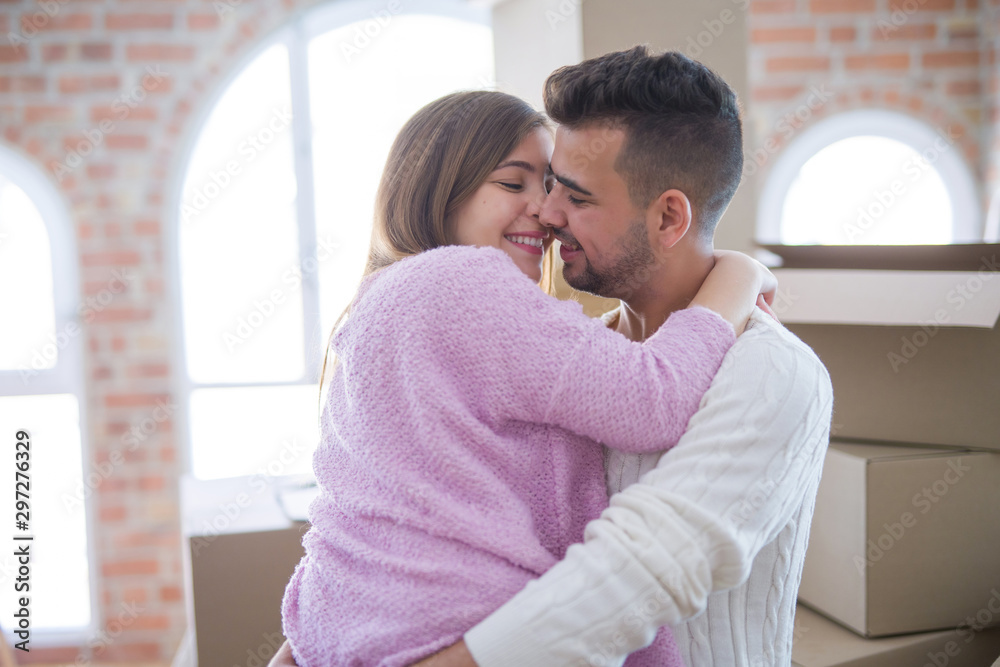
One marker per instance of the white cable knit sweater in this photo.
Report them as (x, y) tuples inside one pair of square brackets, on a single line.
[(711, 540)]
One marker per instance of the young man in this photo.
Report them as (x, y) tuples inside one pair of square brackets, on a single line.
[(712, 539)]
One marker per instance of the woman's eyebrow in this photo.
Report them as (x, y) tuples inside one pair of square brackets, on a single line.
[(527, 166)]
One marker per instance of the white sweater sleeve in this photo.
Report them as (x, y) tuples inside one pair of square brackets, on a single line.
[(691, 526)]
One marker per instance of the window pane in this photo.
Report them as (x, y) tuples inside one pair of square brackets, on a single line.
[(60, 579), (239, 237), (27, 328), (867, 190), (359, 100), (253, 430)]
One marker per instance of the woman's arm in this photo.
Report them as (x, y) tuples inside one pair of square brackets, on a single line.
[(465, 324), (284, 657), (733, 286)]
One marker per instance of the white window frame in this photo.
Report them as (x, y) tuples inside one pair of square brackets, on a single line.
[(950, 164), (296, 37), (66, 376)]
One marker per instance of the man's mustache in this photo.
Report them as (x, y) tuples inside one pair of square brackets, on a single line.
[(568, 240)]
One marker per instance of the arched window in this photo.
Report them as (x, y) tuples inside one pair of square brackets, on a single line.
[(870, 177), (274, 213), (42, 394)]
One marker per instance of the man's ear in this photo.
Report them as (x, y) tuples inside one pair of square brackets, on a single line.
[(668, 219)]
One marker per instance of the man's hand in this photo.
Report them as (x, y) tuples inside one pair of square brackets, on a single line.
[(456, 655), (283, 658)]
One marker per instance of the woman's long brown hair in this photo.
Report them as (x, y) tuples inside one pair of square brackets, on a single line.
[(439, 159)]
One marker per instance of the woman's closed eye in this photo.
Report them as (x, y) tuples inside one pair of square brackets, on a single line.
[(513, 187)]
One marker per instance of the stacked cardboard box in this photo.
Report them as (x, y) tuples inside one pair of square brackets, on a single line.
[(905, 541)]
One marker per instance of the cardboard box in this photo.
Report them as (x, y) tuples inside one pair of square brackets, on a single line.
[(820, 642), (905, 539), (908, 334), (241, 547), (237, 583)]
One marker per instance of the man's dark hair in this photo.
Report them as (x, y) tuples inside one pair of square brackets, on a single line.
[(681, 122)]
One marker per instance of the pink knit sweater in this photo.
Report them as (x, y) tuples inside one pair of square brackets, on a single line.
[(460, 451)]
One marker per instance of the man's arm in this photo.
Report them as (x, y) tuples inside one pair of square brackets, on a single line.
[(691, 526)]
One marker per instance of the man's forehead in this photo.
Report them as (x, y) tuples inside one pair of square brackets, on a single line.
[(588, 150)]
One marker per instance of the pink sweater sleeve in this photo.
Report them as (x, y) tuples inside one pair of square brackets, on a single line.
[(524, 355)]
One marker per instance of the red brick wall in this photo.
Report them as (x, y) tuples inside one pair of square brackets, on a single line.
[(927, 58), (106, 89)]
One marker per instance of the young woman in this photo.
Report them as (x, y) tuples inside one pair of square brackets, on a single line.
[(461, 438)]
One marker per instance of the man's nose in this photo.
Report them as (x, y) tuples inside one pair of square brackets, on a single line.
[(550, 215)]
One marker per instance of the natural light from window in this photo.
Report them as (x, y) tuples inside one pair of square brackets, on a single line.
[(867, 190), (60, 581), (357, 109), (249, 331), (39, 373), (239, 235), (25, 262)]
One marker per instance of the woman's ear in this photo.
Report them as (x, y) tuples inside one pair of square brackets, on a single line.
[(669, 219)]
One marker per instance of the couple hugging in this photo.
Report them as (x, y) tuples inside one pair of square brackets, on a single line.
[(474, 427)]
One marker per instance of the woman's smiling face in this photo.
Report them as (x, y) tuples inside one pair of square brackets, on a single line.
[(503, 211)]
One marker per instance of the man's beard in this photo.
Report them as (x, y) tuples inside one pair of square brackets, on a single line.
[(620, 280)]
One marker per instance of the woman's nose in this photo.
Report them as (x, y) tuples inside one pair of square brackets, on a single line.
[(533, 210), (535, 205)]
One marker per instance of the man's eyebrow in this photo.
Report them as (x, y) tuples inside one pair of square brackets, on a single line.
[(527, 166), (571, 184)]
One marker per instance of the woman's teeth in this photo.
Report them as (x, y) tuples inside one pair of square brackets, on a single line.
[(526, 240)]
